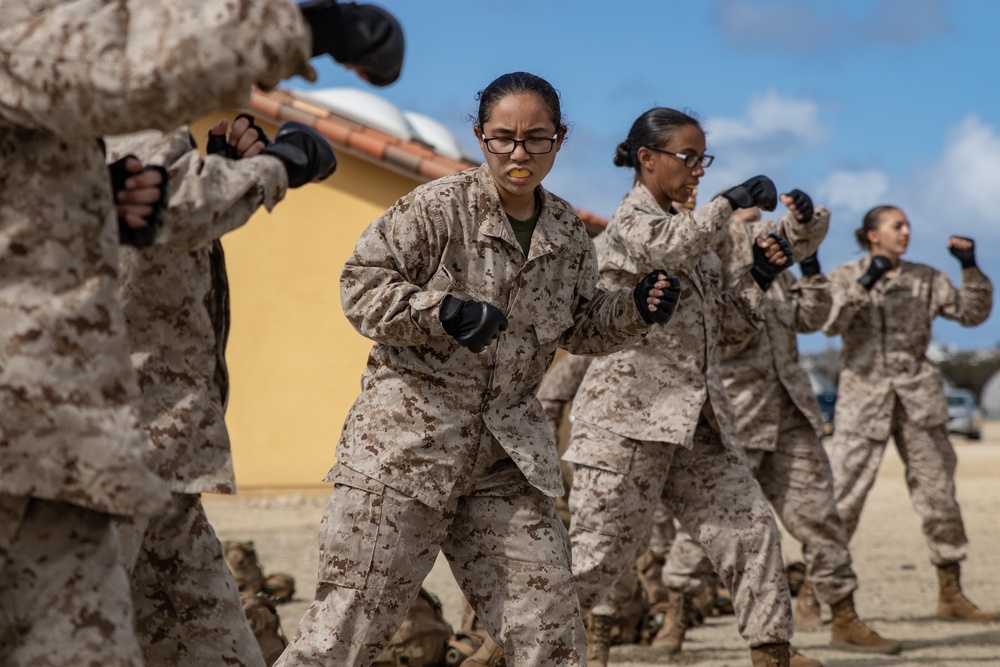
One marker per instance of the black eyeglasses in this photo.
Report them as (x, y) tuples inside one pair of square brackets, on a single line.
[(690, 161), (505, 146)]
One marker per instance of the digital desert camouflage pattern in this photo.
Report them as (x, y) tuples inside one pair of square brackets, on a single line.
[(176, 302), (187, 605), (885, 334), (889, 387), (505, 544), (678, 360), (65, 598), (563, 378), (757, 372), (426, 400), (709, 490), (75, 71)]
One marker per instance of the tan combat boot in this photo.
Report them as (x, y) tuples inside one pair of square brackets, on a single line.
[(770, 655), (487, 655), (598, 639), (675, 624), (849, 633), (952, 603), (796, 659), (808, 616)]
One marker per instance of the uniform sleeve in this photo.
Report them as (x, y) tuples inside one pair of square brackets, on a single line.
[(655, 239), (211, 196), (847, 298), (970, 305), (86, 68), (740, 320), (811, 302), (380, 286), (804, 238)]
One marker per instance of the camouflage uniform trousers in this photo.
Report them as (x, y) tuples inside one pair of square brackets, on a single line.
[(187, 605), (507, 548), (930, 462), (797, 480), (65, 596), (709, 490)]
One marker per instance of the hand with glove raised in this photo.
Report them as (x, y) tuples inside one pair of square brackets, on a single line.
[(771, 256), (800, 204), (473, 324), (306, 153), (141, 196), (964, 250), (876, 269), (364, 38), (246, 139), (656, 297), (758, 191)]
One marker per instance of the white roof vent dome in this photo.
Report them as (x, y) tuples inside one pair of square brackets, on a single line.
[(365, 108), (434, 133)]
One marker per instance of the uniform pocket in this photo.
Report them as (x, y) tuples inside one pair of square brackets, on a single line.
[(349, 531)]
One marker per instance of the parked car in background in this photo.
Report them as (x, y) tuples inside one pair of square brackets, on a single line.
[(826, 395), (964, 416)]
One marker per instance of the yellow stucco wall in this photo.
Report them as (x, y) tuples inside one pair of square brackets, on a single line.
[(295, 362)]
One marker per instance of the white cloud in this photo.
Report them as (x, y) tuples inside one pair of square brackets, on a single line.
[(964, 184), (851, 193)]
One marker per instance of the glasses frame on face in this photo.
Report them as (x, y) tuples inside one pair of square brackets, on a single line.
[(523, 142), (690, 161)]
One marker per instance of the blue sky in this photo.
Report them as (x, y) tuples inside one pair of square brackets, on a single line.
[(856, 102)]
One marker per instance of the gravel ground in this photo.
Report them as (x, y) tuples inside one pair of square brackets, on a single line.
[(898, 584)]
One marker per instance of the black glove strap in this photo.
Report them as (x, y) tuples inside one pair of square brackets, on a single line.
[(810, 265)]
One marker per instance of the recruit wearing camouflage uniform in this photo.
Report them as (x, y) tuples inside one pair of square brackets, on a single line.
[(450, 450), (70, 444), (176, 557), (778, 423), (889, 387), (654, 421)]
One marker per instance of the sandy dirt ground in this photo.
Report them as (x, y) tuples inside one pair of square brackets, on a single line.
[(898, 584)]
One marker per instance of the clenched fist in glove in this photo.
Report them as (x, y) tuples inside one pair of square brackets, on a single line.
[(771, 256), (656, 297), (306, 153), (246, 139), (879, 265), (800, 204), (364, 38), (758, 191), (141, 196), (473, 324), (964, 250)]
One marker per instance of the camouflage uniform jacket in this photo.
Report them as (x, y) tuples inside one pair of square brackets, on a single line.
[(175, 298), (426, 402), (885, 337), (757, 371), (73, 72), (656, 390)]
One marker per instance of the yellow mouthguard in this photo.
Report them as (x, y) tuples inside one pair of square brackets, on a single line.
[(519, 173)]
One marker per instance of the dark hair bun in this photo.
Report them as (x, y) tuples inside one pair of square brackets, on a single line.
[(623, 155)]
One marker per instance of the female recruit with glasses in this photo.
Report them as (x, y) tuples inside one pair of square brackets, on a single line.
[(883, 307), (467, 285), (653, 420)]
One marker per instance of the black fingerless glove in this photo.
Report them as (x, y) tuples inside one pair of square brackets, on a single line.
[(876, 269), (810, 265), (668, 302), (804, 204), (763, 271), (364, 37), (142, 237), (218, 144), (758, 191), (473, 324), (966, 257), (306, 153)]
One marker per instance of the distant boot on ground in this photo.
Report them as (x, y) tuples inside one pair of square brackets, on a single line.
[(770, 655), (850, 634), (808, 616), (487, 655), (599, 639), (675, 624), (796, 659), (952, 603)]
